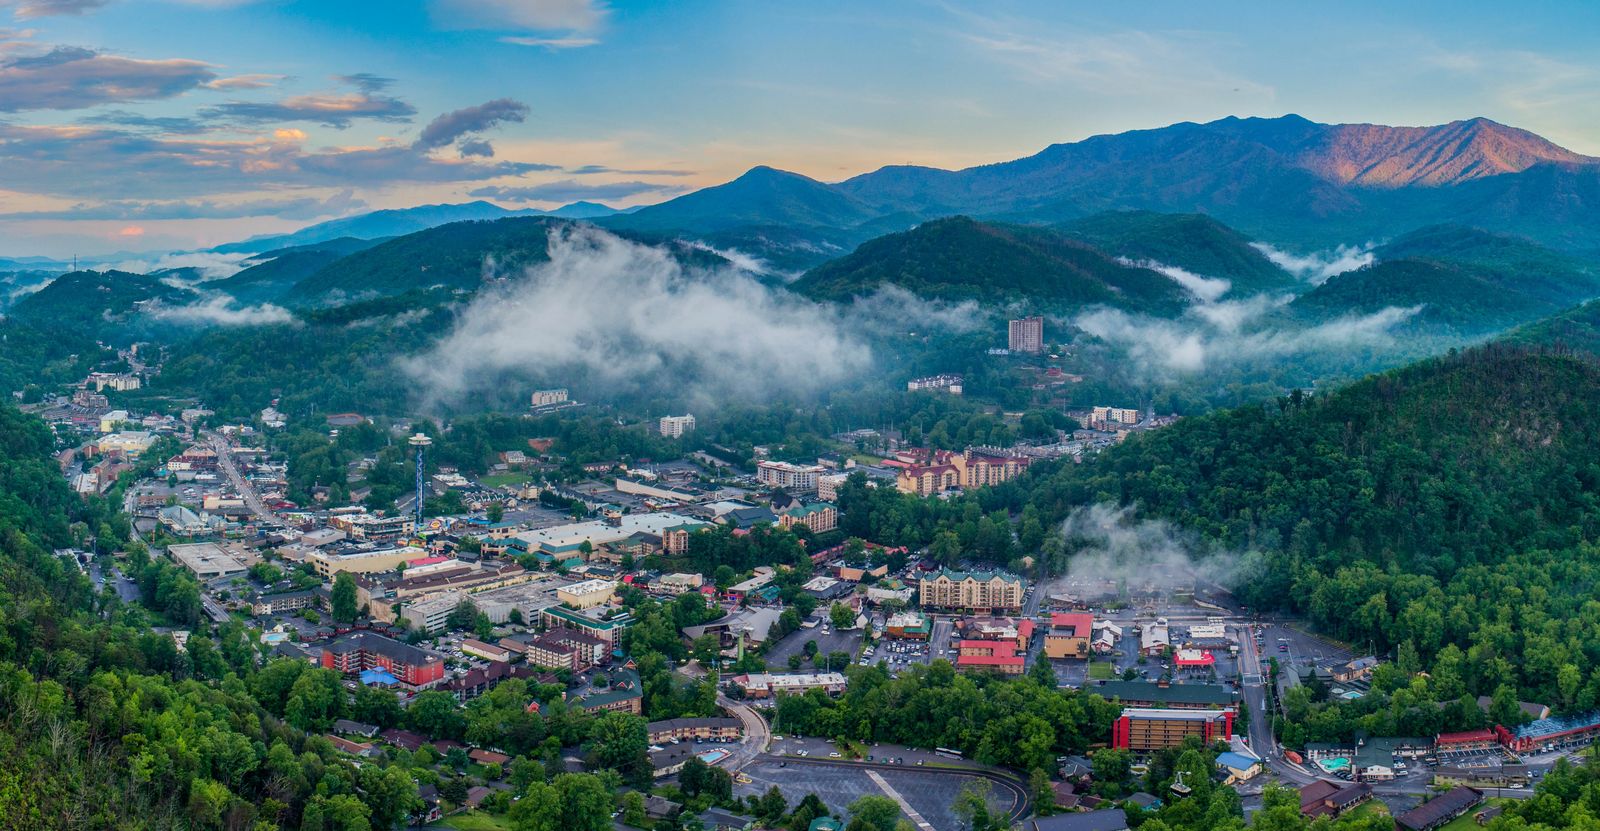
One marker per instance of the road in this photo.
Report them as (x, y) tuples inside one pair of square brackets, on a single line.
[(757, 735), (247, 491)]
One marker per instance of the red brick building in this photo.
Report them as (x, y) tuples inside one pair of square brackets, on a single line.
[(360, 651)]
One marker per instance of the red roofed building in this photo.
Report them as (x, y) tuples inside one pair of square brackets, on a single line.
[(1467, 740), (1003, 656), (414, 666), (1194, 659), (1069, 635)]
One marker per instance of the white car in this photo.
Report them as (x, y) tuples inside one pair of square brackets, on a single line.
[(835, 755)]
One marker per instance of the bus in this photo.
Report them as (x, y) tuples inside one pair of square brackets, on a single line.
[(947, 753)]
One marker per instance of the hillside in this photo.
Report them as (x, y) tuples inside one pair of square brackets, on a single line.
[(1576, 329), (1530, 268), (959, 259), (1194, 242), (1460, 298), (458, 256), (92, 301), (1438, 492), (274, 273), (762, 196)]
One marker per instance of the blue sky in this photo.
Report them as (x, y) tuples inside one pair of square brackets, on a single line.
[(157, 124)]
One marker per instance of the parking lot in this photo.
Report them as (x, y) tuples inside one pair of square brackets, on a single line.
[(929, 792), (848, 642)]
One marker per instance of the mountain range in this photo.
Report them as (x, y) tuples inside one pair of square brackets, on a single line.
[(401, 221)]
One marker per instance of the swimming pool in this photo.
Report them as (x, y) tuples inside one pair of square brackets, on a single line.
[(714, 755), (1334, 765)]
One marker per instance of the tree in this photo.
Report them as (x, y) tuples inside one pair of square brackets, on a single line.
[(1111, 765), (841, 616), (972, 806), (633, 812), (344, 597), (434, 713), (874, 813), (618, 742), (771, 807)]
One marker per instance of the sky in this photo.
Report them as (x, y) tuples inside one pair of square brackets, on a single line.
[(158, 125)]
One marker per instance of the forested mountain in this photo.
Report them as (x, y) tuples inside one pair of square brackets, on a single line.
[(93, 301), (762, 196), (1459, 298), (1284, 179), (1526, 266), (1452, 502), (959, 258), (458, 256), (274, 273), (1195, 242)]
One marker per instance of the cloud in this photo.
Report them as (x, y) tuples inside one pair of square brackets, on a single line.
[(569, 190), (172, 125), (40, 77), (1162, 349), (329, 109), (1316, 267), (92, 162), (1108, 545), (568, 42), (1204, 289), (896, 309), (305, 207), (244, 82), (221, 310), (593, 169), (475, 147), (446, 129), (210, 266), (31, 9), (613, 315), (130, 231), (536, 15)]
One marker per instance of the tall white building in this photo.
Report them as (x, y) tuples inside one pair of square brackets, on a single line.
[(788, 476), (675, 426), (1026, 335), (548, 398)]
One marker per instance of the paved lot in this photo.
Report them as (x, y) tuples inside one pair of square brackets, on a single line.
[(848, 641), (929, 794)]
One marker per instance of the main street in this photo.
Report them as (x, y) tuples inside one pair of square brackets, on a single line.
[(246, 490)]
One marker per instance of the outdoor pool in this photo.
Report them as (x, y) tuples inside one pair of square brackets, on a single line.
[(714, 755), (1334, 765)]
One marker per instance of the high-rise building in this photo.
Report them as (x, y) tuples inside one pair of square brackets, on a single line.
[(1144, 729), (1026, 335), (788, 476), (675, 426), (948, 589), (549, 398)]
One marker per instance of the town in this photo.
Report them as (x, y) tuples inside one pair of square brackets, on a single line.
[(602, 591)]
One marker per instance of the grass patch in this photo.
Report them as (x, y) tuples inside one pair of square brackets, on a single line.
[(500, 480), (1465, 822), (1371, 807), (1102, 671), (477, 821)]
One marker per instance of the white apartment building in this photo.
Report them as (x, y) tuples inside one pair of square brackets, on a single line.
[(675, 426), (790, 477)]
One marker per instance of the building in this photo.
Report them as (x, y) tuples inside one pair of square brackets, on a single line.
[(431, 614), (817, 516), (597, 622), (1359, 669), (1069, 634), (947, 589), (548, 398), (1440, 810), (561, 543), (1154, 729), (908, 625), (291, 601), (1109, 416), (1002, 656), (943, 470), (769, 684), (946, 383), (1467, 740), (330, 563), (587, 594), (1237, 766), (699, 729), (551, 653), (361, 651), (1105, 819), (678, 583), (207, 560), (130, 443), (1556, 733), (675, 426), (617, 691), (110, 422), (1327, 798), (790, 477), (1155, 638), (1026, 335), (1164, 695), (486, 651)]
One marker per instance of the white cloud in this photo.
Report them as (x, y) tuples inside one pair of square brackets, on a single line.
[(1204, 289), (1316, 267), (211, 266), (536, 15), (568, 42), (608, 313), (221, 310)]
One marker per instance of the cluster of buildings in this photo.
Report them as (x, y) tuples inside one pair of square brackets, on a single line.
[(927, 472)]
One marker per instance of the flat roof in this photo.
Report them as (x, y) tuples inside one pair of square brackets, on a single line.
[(206, 558)]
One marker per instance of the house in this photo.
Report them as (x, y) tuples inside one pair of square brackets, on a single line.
[(660, 807), (717, 819), (1238, 766), (1328, 798), (1534, 710), (1440, 810), (347, 727), (361, 749), (1069, 634), (488, 758), (1359, 669), (1109, 819), (1145, 801), (619, 690)]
